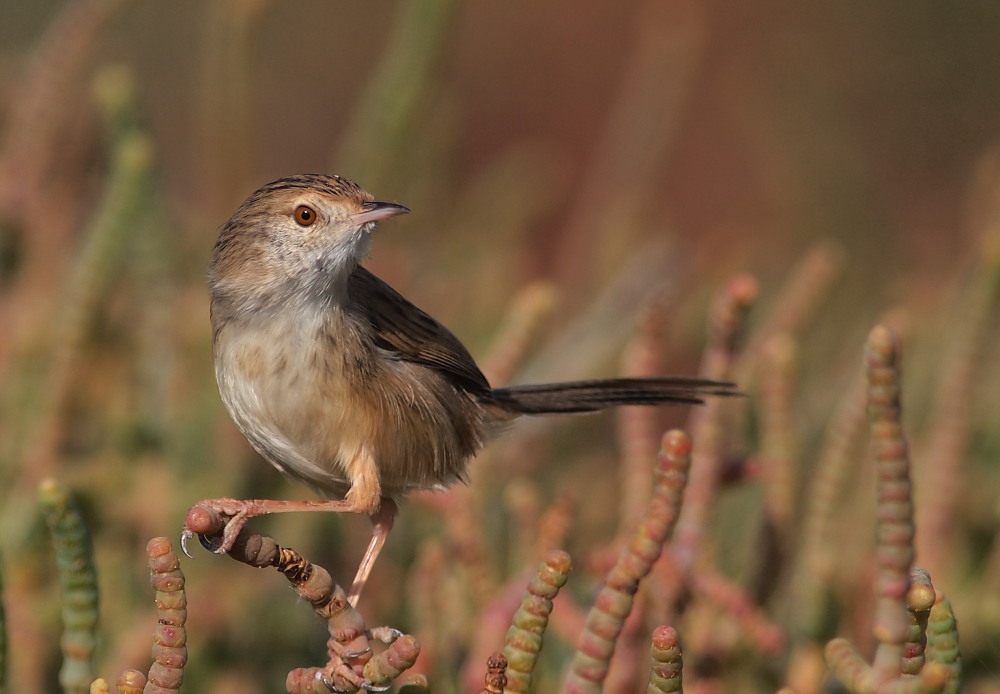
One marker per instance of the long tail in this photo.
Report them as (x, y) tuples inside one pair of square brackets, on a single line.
[(590, 396)]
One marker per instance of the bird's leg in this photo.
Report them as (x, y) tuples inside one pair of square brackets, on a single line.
[(382, 521), (209, 517)]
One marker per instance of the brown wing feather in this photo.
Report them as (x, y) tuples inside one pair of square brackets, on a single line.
[(409, 334)]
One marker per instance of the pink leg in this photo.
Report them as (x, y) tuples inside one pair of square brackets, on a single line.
[(382, 521), (228, 516), (211, 516)]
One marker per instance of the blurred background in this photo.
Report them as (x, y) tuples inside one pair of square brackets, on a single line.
[(568, 164)]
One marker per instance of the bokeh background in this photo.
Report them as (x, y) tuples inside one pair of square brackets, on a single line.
[(586, 159)]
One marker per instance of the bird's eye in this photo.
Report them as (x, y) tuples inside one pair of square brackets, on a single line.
[(304, 215)]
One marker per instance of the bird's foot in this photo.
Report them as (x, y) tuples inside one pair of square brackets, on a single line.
[(216, 522)]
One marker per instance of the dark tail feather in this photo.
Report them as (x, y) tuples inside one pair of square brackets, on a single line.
[(590, 396)]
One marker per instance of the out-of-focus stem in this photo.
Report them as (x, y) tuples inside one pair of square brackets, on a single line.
[(375, 146), (919, 601), (898, 587), (759, 632), (528, 312), (638, 135), (850, 668), (606, 619), (779, 442), (170, 637), (227, 48), (797, 302), (78, 579), (594, 336), (126, 200), (942, 643), (894, 510), (524, 638), (424, 588), (469, 540), (30, 144), (817, 555), (554, 524), (668, 665), (941, 470), (640, 428), (726, 324)]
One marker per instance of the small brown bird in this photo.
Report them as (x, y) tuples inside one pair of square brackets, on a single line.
[(340, 382)]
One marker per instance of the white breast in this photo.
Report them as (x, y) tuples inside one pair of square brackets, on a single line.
[(286, 395)]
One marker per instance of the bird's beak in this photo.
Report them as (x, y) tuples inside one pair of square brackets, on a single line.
[(375, 211)]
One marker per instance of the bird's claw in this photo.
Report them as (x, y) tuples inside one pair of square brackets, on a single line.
[(213, 547), (328, 683), (186, 536), (354, 655), (365, 685)]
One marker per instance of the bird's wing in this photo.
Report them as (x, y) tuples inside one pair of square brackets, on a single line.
[(408, 334)]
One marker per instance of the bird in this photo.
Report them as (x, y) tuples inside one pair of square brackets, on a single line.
[(343, 384)]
